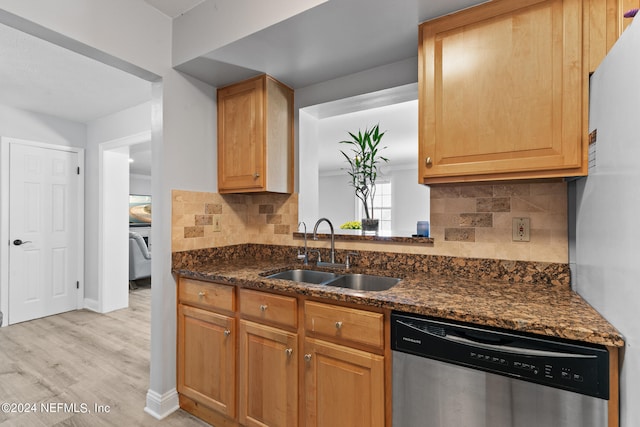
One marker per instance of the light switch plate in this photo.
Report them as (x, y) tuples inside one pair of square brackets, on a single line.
[(216, 223), (521, 230)]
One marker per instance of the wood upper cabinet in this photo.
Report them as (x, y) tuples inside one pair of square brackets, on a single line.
[(255, 137), (502, 93), (206, 358), (268, 376), (604, 23), (344, 387)]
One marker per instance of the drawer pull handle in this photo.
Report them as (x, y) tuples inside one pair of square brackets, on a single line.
[(307, 357), (227, 332), (338, 325), (263, 307), (201, 294), (288, 352)]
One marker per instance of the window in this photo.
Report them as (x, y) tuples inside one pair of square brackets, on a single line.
[(381, 205)]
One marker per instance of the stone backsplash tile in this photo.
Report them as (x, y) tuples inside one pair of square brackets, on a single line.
[(460, 234), (472, 221), (476, 220)]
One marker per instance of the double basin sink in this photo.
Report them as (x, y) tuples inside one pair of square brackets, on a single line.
[(361, 282)]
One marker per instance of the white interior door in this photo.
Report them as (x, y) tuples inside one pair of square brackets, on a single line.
[(43, 218)]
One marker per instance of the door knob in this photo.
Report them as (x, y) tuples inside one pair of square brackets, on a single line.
[(19, 242)]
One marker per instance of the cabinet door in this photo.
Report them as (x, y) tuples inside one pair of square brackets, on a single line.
[(268, 376), (344, 387), (502, 91), (206, 358), (604, 22), (241, 136)]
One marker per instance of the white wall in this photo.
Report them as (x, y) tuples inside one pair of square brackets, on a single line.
[(336, 199), (412, 198), (375, 79), (308, 199), (114, 251), (40, 127), (139, 184), (132, 121)]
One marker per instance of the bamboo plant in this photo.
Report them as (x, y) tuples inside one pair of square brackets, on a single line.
[(364, 159)]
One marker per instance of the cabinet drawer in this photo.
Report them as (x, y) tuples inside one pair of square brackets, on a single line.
[(272, 308), (343, 323), (206, 294)]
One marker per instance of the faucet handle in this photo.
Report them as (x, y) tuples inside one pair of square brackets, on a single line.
[(347, 260), (318, 252)]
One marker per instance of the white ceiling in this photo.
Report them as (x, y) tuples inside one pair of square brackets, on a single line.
[(173, 8), (41, 77)]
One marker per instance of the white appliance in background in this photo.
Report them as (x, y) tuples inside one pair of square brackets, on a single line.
[(605, 256)]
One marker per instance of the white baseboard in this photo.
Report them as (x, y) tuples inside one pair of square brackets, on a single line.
[(160, 406), (92, 304)]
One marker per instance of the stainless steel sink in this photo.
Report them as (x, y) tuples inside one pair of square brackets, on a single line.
[(361, 282), (307, 276), (364, 282)]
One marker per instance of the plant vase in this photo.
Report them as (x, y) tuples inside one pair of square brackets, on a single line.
[(370, 225)]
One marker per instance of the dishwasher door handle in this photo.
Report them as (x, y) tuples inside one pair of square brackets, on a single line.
[(496, 347)]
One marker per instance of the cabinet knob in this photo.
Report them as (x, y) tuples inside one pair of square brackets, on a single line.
[(428, 161), (263, 307), (256, 175), (307, 357), (288, 351), (201, 294), (227, 332), (338, 325)]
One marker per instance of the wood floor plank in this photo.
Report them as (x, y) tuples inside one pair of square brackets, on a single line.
[(81, 359)]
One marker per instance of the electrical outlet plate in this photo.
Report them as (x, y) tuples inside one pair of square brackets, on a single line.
[(216, 223), (521, 230)]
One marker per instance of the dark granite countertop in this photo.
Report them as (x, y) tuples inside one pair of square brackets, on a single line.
[(548, 309)]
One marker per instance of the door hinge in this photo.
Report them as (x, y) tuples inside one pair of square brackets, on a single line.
[(78, 170), (78, 284)]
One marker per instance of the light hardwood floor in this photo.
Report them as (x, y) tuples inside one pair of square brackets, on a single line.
[(81, 358)]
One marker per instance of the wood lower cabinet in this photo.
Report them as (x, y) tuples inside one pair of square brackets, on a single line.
[(502, 93), (207, 358), (344, 387), (268, 376), (256, 359)]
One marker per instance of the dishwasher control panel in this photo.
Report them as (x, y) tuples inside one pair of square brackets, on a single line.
[(572, 366)]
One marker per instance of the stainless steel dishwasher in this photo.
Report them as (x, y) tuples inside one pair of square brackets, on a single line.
[(448, 374)]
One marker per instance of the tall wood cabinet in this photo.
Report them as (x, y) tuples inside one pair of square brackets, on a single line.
[(255, 137)]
